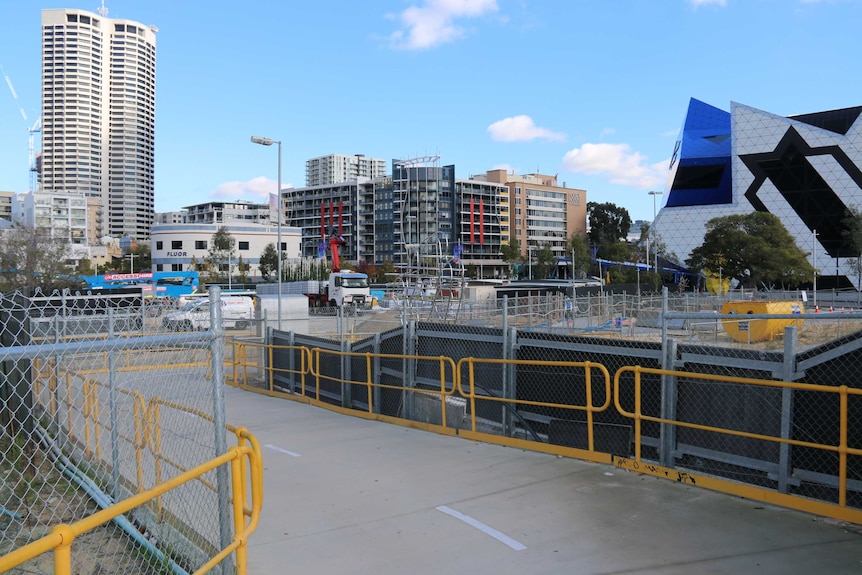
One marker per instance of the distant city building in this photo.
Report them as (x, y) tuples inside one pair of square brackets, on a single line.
[(314, 209), (636, 230), (175, 247), (177, 217), (482, 220), (423, 209), (542, 212), (337, 168), (805, 169), (240, 212), (98, 115), (6, 199), (65, 215)]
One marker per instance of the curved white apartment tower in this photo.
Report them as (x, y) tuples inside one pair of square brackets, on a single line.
[(98, 115)]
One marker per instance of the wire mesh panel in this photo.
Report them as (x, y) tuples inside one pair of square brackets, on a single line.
[(693, 412), (92, 416)]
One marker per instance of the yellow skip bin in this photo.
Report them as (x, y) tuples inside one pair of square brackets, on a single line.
[(743, 330)]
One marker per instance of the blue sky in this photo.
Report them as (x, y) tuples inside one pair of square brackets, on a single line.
[(592, 90)]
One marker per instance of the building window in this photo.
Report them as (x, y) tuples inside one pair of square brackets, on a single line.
[(242, 246), (200, 245), (159, 245), (159, 268), (176, 267), (177, 244)]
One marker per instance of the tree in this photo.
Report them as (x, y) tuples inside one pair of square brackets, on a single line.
[(242, 268), (31, 258), (268, 263), (754, 248), (511, 253), (579, 249), (141, 259), (368, 269), (609, 224), (544, 262), (222, 251), (386, 271)]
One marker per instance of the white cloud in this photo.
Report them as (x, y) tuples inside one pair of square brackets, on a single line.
[(698, 3), (434, 22), (254, 190), (618, 163), (521, 129)]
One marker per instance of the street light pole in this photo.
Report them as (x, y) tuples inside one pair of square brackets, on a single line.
[(132, 261), (652, 229), (268, 142), (814, 264)]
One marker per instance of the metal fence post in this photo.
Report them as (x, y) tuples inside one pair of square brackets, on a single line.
[(375, 373), (220, 421), (510, 338), (346, 386), (409, 369), (664, 310), (16, 385), (115, 432), (291, 362), (667, 431), (784, 463)]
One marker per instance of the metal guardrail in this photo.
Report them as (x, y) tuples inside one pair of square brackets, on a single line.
[(460, 386), (246, 464)]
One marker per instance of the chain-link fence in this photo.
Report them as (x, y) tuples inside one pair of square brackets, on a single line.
[(760, 404), (94, 408)]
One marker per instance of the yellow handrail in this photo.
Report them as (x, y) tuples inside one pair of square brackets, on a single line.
[(62, 536)]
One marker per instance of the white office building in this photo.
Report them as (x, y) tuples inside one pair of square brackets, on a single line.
[(177, 247), (337, 168), (65, 215), (98, 115)]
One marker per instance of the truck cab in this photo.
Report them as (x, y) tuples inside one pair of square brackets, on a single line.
[(348, 288)]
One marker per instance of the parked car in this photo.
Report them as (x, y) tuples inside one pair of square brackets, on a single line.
[(237, 312)]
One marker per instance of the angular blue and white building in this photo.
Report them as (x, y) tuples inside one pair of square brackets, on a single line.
[(805, 169)]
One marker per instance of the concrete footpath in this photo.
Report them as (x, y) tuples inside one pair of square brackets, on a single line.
[(345, 495)]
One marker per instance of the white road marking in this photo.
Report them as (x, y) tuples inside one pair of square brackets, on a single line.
[(280, 450), (501, 537)]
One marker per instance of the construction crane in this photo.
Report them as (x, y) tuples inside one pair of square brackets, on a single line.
[(32, 130)]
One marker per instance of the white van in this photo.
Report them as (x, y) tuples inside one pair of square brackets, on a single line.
[(236, 311)]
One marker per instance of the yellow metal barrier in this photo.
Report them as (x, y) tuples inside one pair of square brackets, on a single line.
[(464, 387), (369, 383), (842, 449), (240, 364), (247, 452), (588, 367)]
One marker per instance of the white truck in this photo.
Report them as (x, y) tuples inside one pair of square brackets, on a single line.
[(342, 288), (237, 312)]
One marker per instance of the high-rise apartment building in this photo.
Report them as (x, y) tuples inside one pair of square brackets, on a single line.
[(337, 168), (543, 213), (98, 115)]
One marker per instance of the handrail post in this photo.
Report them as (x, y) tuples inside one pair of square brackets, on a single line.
[(784, 461), (63, 551), (667, 431)]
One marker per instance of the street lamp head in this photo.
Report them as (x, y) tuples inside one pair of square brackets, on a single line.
[(262, 141)]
